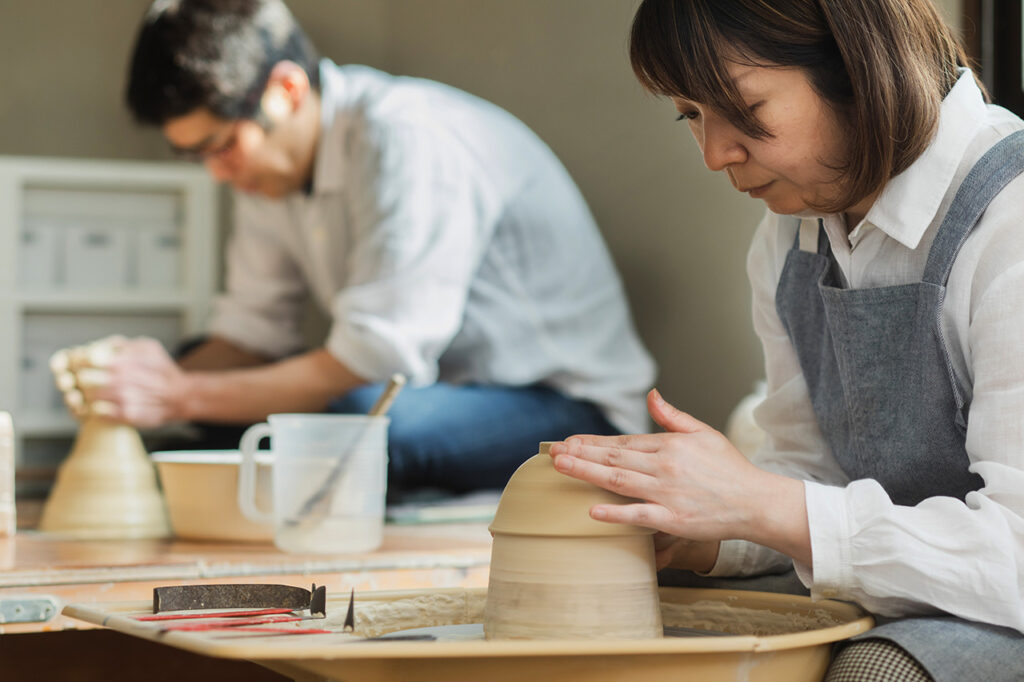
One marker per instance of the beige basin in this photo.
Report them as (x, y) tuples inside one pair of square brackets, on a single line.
[(201, 490)]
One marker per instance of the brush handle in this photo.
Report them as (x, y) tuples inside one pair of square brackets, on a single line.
[(383, 404)]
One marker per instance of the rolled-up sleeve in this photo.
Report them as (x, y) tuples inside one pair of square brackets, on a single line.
[(419, 222), (265, 291)]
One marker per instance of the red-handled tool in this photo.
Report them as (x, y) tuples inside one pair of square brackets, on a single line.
[(231, 623), (219, 614)]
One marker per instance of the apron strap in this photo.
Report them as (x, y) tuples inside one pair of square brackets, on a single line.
[(810, 236), (1000, 164)]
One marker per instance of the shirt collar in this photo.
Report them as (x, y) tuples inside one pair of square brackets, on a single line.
[(328, 169), (910, 201)]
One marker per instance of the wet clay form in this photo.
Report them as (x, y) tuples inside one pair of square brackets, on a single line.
[(106, 488), (556, 573)]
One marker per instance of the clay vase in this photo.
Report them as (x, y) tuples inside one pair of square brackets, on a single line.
[(106, 488), (558, 574)]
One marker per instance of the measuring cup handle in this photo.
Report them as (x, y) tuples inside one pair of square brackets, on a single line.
[(247, 473)]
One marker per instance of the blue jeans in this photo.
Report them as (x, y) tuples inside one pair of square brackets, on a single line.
[(468, 437)]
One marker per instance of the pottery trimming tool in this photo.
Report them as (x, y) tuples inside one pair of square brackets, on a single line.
[(350, 617), (350, 626), (254, 621)]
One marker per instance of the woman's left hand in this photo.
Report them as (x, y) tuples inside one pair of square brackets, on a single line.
[(692, 483)]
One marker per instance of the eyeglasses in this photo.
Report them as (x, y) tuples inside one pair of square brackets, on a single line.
[(210, 148)]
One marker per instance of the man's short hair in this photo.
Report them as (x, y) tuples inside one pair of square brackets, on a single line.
[(216, 54)]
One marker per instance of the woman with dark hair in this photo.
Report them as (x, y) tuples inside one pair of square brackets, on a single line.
[(888, 286)]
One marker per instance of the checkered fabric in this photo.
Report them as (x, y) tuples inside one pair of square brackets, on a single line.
[(875, 660)]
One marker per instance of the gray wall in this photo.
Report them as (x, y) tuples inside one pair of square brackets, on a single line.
[(678, 233)]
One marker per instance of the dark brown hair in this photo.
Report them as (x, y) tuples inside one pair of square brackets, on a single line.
[(216, 54), (883, 66)]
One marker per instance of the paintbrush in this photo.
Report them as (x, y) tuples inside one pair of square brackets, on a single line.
[(313, 508)]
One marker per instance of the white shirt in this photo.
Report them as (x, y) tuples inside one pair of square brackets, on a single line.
[(962, 557), (446, 242)]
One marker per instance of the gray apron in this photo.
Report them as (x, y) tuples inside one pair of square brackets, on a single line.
[(889, 406)]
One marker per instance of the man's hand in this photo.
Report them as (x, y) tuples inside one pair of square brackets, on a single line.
[(139, 383)]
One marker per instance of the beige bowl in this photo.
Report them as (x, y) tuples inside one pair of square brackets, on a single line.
[(201, 489), (538, 500), (556, 572)]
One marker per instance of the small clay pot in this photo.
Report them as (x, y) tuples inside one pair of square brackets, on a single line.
[(106, 489), (556, 573)]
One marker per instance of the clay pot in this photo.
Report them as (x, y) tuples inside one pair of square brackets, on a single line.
[(556, 573), (106, 488)]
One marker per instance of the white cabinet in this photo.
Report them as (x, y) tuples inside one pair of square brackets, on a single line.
[(89, 249)]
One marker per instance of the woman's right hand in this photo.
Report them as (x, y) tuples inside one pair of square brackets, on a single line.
[(692, 483)]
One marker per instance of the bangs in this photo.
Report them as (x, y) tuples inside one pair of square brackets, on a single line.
[(677, 49), (883, 67)]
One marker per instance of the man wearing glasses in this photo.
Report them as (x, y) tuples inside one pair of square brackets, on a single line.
[(442, 237)]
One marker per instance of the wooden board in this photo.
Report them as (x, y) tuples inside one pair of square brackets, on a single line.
[(34, 564)]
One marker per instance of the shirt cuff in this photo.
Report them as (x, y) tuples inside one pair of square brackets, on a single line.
[(740, 558), (375, 356), (731, 555), (831, 572)]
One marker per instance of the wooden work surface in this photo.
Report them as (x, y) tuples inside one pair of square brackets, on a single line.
[(79, 571)]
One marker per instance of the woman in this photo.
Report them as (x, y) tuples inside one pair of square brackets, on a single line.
[(888, 278)]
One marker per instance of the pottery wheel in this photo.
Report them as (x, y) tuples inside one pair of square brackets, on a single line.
[(468, 632), (798, 650)]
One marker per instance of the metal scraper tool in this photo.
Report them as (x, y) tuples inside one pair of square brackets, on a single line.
[(190, 597)]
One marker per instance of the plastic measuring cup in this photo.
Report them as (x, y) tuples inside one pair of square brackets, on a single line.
[(307, 449)]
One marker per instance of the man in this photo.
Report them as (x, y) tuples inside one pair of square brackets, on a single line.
[(443, 238)]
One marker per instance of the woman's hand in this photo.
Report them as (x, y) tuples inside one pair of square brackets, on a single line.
[(693, 485)]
